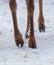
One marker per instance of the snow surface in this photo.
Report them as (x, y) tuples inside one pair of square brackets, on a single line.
[(9, 53)]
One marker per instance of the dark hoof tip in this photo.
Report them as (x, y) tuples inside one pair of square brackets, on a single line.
[(41, 30), (22, 44), (32, 45), (18, 42), (26, 36)]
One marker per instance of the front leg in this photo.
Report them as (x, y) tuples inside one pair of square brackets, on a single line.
[(32, 42), (41, 23), (17, 34)]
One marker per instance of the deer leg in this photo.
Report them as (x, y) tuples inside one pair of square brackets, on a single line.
[(17, 34), (28, 21), (41, 24), (32, 42), (28, 27)]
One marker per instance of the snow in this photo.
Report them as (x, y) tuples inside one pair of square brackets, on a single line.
[(9, 53)]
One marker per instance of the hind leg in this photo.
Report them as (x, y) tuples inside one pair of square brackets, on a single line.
[(28, 21), (41, 24)]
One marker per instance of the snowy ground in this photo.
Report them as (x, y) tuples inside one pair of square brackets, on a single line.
[(9, 53)]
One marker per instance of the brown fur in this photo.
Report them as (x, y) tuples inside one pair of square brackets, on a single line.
[(30, 17)]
